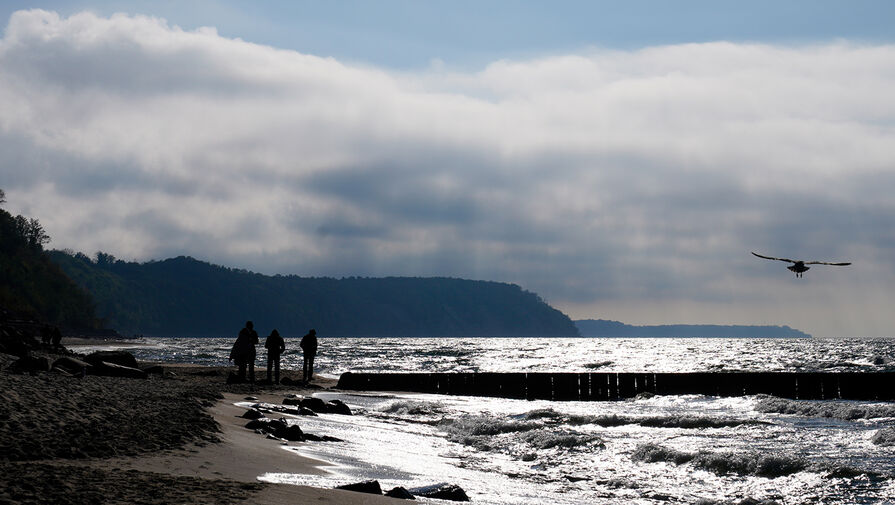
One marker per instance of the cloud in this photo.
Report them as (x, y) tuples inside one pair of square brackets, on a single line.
[(617, 184)]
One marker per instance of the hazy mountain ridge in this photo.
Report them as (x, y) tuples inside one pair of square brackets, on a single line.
[(607, 328), (185, 296)]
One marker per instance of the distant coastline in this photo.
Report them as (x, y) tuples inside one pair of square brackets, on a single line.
[(607, 328)]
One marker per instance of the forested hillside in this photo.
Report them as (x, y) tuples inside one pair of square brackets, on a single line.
[(606, 328), (184, 296), (32, 285)]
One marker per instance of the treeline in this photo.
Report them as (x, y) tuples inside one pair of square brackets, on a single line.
[(33, 286), (188, 297), (606, 328)]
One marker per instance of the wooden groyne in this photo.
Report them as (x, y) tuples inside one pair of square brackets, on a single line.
[(617, 386)]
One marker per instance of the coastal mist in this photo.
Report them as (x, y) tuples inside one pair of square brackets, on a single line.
[(649, 449)]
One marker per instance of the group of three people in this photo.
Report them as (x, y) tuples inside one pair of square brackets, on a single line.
[(243, 353)]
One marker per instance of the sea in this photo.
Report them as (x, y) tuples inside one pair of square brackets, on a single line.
[(689, 449)]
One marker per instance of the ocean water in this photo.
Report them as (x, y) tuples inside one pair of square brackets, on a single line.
[(664, 449)]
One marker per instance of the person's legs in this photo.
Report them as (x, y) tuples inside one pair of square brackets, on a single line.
[(276, 364), (252, 370), (242, 370), (311, 368), (304, 368), (270, 362)]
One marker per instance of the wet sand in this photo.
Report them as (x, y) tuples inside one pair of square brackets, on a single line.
[(176, 438)]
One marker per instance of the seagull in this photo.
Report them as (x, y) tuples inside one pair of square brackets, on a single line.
[(798, 266)]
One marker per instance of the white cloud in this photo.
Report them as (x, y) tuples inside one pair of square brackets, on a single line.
[(617, 184)]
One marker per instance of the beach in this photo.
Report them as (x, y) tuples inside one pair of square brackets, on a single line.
[(169, 438), (180, 436)]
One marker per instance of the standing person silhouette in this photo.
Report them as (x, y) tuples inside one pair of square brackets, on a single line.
[(243, 352), (309, 348), (275, 346)]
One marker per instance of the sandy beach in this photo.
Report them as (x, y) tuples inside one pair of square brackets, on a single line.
[(171, 438)]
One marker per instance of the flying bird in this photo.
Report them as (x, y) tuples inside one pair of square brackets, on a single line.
[(798, 266)]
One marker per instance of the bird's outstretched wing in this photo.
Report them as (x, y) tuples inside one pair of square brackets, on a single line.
[(770, 258), (826, 263)]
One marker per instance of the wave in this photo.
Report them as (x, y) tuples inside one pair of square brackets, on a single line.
[(669, 421), (744, 501), (413, 408), (884, 437), (747, 463), (843, 410), (547, 439), (484, 425), (751, 463), (484, 433)]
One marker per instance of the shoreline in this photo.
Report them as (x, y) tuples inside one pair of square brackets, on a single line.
[(71, 440), (74, 343), (244, 456)]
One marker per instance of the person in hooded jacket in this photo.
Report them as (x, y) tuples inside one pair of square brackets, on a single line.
[(309, 348), (275, 346), (243, 351)]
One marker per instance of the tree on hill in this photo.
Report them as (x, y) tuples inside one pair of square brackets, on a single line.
[(30, 283)]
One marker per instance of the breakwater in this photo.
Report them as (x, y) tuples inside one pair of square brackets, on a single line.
[(617, 386)]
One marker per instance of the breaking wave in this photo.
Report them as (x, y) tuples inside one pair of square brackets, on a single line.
[(884, 437), (547, 439), (746, 463), (844, 410), (484, 425), (670, 421), (413, 408), (490, 434), (744, 501), (751, 463)]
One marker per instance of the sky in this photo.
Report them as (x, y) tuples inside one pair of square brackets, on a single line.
[(622, 161)]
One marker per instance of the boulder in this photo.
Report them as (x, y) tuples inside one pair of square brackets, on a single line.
[(315, 404), (114, 370), (443, 491), (121, 358), (292, 401), (400, 493), (258, 424), (272, 407), (280, 428), (309, 437), (291, 433), (338, 407), (71, 365), (369, 486), (31, 363), (277, 425), (252, 414)]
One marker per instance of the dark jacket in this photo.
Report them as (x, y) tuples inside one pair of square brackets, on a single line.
[(275, 343), (309, 344), (244, 347)]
